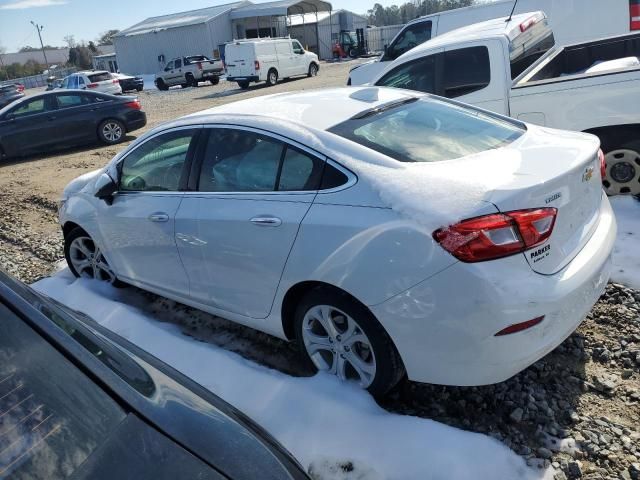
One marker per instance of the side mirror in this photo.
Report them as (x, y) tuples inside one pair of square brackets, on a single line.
[(105, 188)]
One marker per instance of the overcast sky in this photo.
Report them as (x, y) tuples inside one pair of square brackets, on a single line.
[(86, 19)]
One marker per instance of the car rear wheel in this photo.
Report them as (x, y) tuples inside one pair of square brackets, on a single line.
[(85, 259), (243, 84), (215, 80), (111, 131), (191, 81), (340, 336), (272, 77), (139, 89), (313, 70), (623, 170)]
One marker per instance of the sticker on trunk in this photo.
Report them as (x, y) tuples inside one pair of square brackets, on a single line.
[(540, 254)]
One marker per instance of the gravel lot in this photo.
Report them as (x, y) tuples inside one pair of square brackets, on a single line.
[(578, 408)]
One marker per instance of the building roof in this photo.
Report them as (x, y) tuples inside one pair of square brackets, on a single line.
[(182, 19), (281, 8), (309, 18)]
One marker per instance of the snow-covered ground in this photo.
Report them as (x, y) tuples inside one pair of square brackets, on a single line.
[(324, 424), (626, 252)]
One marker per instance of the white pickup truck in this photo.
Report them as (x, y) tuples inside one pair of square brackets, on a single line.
[(189, 71), (514, 68)]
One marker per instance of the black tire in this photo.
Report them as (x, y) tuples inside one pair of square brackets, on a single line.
[(243, 84), (139, 89), (215, 80), (161, 85), (627, 155), (353, 53), (272, 77), (191, 81), (389, 367), (111, 131), (68, 240), (313, 70), (184, 85)]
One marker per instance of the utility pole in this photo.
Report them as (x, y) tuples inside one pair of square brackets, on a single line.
[(39, 29)]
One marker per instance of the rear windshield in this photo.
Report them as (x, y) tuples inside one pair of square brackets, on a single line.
[(529, 46), (196, 58), (429, 130), (100, 77)]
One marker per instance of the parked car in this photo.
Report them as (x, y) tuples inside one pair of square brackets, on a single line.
[(80, 402), (97, 80), (10, 93), (129, 82), (514, 68), (385, 231), (63, 118), (189, 72), (571, 23), (267, 60)]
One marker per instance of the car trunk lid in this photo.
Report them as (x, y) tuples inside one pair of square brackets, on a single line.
[(562, 174)]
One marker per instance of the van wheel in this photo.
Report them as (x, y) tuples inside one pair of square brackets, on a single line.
[(313, 70), (272, 77), (340, 336), (243, 84), (623, 170)]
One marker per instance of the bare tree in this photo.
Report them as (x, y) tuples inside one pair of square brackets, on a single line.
[(70, 40)]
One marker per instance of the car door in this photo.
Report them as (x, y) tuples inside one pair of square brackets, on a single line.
[(168, 73), (298, 59), (74, 117), (177, 76), (138, 228), (235, 232), (29, 126)]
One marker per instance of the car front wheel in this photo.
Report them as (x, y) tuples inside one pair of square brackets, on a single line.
[(340, 336), (85, 259)]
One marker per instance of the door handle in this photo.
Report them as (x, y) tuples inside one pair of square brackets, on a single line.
[(159, 217), (266, 221)]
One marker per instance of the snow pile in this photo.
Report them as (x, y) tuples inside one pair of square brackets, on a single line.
[(335, 430), (626, 251)]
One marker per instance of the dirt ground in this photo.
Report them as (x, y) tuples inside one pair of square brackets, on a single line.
[(585, 394)]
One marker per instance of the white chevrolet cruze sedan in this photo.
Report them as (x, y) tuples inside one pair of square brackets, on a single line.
[(385, 231)]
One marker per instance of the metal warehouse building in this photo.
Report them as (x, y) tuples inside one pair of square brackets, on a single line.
[(145, 47)]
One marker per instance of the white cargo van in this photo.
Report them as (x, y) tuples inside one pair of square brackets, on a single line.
[(572, 21), (267, 60)]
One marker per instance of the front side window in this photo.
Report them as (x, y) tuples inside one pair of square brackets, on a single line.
[(466, 70), (158, 164), (169, 67), (241, 161), (297, 48), (417, 75), (410, 37), (429, 130), (31, 107)]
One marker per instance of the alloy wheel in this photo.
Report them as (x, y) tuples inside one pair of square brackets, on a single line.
[(337, 344), (112, 131), (88, 261)]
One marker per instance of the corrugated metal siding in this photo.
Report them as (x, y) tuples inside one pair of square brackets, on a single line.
[(378, 37)]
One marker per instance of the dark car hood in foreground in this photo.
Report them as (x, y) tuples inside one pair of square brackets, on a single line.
[(170, 425)]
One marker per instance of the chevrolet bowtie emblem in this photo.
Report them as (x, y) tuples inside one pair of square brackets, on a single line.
[(588, 173)]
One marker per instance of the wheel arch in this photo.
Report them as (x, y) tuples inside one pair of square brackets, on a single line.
[(613, 136), (69, 226)]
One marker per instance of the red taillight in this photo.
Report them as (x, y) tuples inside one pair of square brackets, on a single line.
[(497, 235), (20, 87), (530, 22), (115, 80), (603, 164), (135, 104), (634, 14), (518, 327), (92, 85), (256, 64), (199, 64)]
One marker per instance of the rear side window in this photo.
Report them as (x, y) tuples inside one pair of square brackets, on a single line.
[(68, 100), (300, 171), (466, 70), (417, 75), (429, 130), (99, 77), (178, 63)]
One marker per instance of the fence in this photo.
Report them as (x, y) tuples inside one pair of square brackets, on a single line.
[(378, 37), (35, 81)]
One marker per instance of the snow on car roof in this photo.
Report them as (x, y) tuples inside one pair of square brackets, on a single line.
[(318, 109)]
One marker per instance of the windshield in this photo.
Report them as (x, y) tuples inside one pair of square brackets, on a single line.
[(429, 130), (52, 417)]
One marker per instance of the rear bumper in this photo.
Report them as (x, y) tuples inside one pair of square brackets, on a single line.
[(135, 120), (444, 328), (248, 78)]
